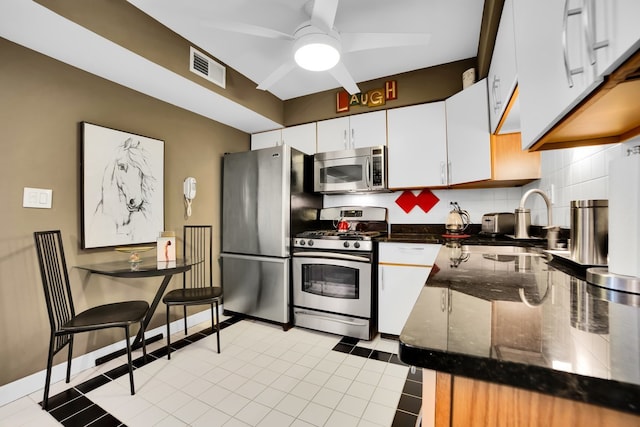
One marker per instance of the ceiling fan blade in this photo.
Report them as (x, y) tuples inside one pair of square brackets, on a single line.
[(279, 73), (352, 42), (253, 30), (323, 14), (342, 75)]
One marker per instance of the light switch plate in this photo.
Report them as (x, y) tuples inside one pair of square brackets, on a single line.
[(37, 198)]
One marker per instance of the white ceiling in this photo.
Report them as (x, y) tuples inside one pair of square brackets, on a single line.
[(453, 25)]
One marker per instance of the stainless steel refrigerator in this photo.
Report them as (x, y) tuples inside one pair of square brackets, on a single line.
[(265, 202)]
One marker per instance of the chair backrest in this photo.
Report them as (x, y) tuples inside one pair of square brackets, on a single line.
[(55, 280), (197, 246)]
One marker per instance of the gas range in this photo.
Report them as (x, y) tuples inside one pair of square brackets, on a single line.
[(332, 239), (365, 224), (334, 272), (340, 235)]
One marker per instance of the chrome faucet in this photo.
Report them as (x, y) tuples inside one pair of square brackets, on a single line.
[(523, 219)]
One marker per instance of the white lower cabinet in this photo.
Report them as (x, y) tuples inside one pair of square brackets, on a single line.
[(403, 269)]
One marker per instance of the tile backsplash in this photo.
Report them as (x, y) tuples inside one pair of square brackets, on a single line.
[(568, 174)]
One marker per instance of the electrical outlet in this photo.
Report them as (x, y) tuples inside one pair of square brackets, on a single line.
[(37, 198), (551, 192)]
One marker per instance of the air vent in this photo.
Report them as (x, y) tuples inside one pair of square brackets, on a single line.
[(206, 67)]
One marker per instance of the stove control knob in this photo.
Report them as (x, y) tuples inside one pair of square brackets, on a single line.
[(356, 245), (346, 244), (310, 242), (301, 242)]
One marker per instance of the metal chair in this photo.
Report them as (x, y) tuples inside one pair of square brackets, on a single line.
[(197, 286), (62, 316)]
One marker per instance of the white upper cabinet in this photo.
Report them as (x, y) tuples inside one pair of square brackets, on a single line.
[(301, 137), (270, 138), (552, 76), (468, 140), (502, 78), (616, 32), (368, 129), (563, 51), (417, 146), (356, 131)]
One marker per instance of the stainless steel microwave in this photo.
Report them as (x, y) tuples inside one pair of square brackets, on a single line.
[(362, 170)]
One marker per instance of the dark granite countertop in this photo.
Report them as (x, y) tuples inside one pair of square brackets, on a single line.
[(436, 234), (515, 315)]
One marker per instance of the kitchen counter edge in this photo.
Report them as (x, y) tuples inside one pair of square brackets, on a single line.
[(608, 393)]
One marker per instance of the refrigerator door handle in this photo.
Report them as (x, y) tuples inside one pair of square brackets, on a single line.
[(254, 258)]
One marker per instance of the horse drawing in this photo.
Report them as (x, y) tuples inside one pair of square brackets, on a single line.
[(127, 186)]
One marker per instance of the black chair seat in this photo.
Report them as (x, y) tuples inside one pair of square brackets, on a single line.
[(197, 283), (118, 314), (64, 321), (192, 295)]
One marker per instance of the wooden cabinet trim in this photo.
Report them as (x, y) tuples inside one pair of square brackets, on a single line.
[(444, 393), (608, 115), (463, 402)]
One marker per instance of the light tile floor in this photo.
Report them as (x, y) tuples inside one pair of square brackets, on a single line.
[(263, 376)]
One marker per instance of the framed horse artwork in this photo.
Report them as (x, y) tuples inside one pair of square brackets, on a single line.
[(122, 187)]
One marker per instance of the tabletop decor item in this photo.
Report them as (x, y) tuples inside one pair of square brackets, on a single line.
[(134, 252), (166, 246), (122, 187)]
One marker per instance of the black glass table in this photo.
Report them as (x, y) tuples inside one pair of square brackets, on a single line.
[(145, 268)]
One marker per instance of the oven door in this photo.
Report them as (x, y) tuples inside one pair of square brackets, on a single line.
[(344, 174), (332, 282)]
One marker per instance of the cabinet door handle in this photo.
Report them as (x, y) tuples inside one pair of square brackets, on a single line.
[(344, 139), (565, 52), (497, 102), (353, 138), (589, 22), (449, 180), (442, 171)]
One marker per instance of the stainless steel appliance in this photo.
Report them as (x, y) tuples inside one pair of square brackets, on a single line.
[(335, 273), (361, 170), (495, 223), (264, 203), (589, 231)]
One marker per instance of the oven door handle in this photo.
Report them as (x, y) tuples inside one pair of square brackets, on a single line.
[(346, 322), (346, 257)]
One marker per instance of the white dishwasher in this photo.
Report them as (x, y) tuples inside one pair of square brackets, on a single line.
[(403, 269)]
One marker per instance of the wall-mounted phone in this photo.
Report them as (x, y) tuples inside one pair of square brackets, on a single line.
[(189, 188)]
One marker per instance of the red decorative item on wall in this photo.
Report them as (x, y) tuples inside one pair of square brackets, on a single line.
[(426, 200)]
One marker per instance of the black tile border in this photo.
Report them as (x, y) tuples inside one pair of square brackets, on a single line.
[(410, 403), (71, 407), (82, 411)]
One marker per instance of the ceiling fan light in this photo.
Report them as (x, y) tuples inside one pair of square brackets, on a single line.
[(316, 52)]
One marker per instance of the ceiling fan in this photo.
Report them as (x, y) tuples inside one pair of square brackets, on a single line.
[(318, 46)]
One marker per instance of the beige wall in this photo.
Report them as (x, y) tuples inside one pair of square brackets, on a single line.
[(42, 104), (416, 87), (126, 25)]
